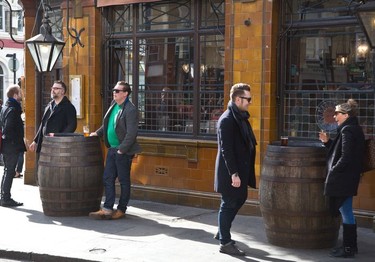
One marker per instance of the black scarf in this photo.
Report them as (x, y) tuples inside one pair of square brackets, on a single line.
[(241, 118)]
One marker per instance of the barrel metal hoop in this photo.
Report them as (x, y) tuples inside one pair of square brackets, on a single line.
[(289, 214), (68, 190)]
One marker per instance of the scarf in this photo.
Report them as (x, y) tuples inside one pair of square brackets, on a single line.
[(13, 102), (241, 118)]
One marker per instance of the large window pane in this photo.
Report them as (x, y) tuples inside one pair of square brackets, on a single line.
[(212, 82), (166, 85), (325, 65), (178, 81)]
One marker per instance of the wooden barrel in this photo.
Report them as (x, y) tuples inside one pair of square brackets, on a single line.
[(70, 175), (295, 211)]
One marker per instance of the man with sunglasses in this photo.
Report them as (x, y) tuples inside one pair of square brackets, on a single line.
[(119, 130), (60, 116), (234, 170)]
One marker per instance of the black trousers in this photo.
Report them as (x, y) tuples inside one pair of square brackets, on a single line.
[(10, 163)]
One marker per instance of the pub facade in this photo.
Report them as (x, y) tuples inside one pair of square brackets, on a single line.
[(181, 57)]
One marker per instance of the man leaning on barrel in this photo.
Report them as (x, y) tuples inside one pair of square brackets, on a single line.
[(59, 116), (119, 130)]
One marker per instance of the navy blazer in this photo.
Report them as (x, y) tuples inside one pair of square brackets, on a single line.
[(126, 128), (234, 155), (345, 158)]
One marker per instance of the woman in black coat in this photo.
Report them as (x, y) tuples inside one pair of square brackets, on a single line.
[(235, 160), (344, 164)]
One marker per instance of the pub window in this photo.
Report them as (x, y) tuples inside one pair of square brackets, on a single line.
[(178, 82), (327, 61)]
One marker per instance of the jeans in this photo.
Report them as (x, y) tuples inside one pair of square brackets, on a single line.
[(20, 161), (117, 166), (346, 211), (228, 210), (10, 162)]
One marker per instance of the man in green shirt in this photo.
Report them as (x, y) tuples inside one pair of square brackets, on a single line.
[(119, 131)]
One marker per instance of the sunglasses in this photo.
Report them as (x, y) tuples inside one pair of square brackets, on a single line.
[(117, 90), (247, 98)]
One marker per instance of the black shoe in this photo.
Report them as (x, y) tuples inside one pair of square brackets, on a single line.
[(10, 203), (342, 252), (336, 249), (231, 249)]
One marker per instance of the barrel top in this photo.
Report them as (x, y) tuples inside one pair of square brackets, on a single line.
[(69, 137), (297, 146)]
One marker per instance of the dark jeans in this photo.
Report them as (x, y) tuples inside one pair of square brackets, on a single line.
[(228, 210), (20, 161), (10, 162), (117, 165)]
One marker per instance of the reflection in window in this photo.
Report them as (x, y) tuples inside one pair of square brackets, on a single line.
[(325, 65), (178, 83)]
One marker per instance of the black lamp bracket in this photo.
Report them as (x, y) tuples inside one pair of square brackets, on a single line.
[(76, 34), (10, 23)]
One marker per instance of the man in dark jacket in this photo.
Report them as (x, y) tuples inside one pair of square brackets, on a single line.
[(12, 143), (119, 130), (235, 160), (59, 116)]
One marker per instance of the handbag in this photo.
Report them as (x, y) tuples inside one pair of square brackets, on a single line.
[(369, 157)]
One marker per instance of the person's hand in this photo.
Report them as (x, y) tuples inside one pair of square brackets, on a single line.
[(323, 136), (236, 180), (93, 134), (32, 146)]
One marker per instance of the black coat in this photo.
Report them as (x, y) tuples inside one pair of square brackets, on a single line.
[(63, 119), (236, 154), (345, 158), (13, 130)]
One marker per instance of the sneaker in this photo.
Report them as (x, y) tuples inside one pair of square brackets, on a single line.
[(101, 214), (231, 249), (118, 214), (10, 203)]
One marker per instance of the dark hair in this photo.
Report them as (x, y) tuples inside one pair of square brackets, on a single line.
[(60, 82), (238, 90), (126, 86)]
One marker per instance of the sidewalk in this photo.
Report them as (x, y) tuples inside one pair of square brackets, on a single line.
[(150, 232)]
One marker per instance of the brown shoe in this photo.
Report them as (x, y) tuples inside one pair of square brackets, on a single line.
[(118, 214), (101, 214)]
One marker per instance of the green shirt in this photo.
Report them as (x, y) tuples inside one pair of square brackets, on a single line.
[(111, 131)]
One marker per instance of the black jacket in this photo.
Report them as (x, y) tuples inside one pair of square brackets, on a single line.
[(236, 153), (345, 158), (63, 119), (13, 130)]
